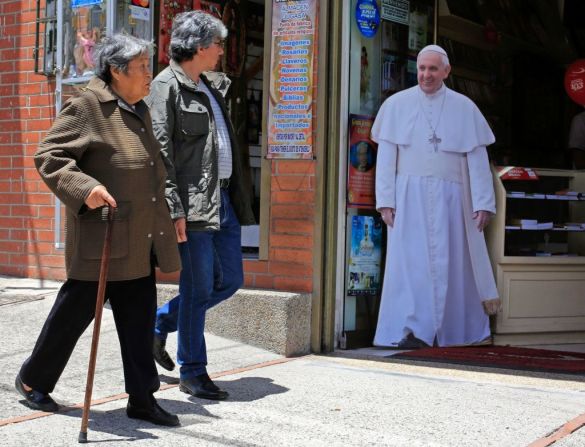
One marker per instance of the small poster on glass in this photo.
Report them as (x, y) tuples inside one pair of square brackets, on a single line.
[(365, 256), (362, 163)]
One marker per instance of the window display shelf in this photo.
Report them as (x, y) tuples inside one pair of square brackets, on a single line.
[(545, 229), (581, 198), (540, 272)]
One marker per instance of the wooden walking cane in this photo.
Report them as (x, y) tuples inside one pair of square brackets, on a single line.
[(99, 306)]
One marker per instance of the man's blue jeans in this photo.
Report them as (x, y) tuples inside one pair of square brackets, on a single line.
[(212, 272)]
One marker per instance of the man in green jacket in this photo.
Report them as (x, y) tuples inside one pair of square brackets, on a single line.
[(205, 192)]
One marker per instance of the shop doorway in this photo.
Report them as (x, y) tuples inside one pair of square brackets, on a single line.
[(490, 46), (382, 61)]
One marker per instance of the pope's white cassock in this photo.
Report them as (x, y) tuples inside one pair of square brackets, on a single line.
[(437, 267)]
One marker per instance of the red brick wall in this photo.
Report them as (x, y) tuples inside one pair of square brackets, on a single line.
[(292, 214), (26, 111), (27, 207)]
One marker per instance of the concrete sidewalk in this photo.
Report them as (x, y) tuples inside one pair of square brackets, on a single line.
[(307, 401)]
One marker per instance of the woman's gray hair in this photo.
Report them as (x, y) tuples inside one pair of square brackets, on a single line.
[(116, 52), (193, 30)]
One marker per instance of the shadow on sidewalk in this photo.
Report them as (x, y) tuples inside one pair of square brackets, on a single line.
[(192, 412), (245, 389)]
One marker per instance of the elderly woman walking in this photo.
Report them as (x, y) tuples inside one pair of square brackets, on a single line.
[(101, 151)]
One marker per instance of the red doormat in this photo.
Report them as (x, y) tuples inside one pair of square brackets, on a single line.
[(509, 357)]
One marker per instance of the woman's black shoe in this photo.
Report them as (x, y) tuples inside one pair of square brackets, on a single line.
[(35, 399), (153, 413)]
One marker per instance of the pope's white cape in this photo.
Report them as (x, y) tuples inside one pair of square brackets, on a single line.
[(397, 116)]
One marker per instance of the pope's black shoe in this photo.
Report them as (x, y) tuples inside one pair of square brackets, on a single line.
[(35, 399), (202, 386), (411, 342), (161, 356), (153, 413)]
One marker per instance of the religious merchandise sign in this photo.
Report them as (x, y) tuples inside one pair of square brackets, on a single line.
[(361, 166), (367, 17), (290, 108), (365, 256)]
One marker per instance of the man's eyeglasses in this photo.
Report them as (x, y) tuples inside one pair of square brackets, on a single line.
[(220, 43)]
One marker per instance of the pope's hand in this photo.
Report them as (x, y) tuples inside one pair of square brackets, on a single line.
[(99, 196), (181, 229), (483, 219), (388, 216)]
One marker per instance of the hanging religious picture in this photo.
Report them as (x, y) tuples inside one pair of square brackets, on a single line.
[(168, 10), (234, 54), (361, 167)]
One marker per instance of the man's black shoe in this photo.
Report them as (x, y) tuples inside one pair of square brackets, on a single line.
[(153, 413), (202, 386), (35, 399), (161, 356), (411, 342)]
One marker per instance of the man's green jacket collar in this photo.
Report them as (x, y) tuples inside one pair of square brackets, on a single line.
[(216, 79)]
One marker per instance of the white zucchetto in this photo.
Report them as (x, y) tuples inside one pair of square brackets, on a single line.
[(435, 49)]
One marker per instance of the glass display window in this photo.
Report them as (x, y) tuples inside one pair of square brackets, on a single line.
[(134, 17), (86, 22)]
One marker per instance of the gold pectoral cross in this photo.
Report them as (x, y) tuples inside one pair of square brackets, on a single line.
[(435, 140)]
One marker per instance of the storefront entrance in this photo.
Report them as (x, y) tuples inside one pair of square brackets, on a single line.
[(382, 60), (510, 58)]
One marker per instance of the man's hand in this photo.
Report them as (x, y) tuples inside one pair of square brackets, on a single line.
[(181, 229), (483, 219), (99, 196), (492, 307), (388, 216)]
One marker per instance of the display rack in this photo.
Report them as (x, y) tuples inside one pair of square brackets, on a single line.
[(537, 248)]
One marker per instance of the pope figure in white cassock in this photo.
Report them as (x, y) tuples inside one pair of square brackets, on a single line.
[(434, 190)]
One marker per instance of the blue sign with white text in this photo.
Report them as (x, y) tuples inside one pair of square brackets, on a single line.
[(367, 16)]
